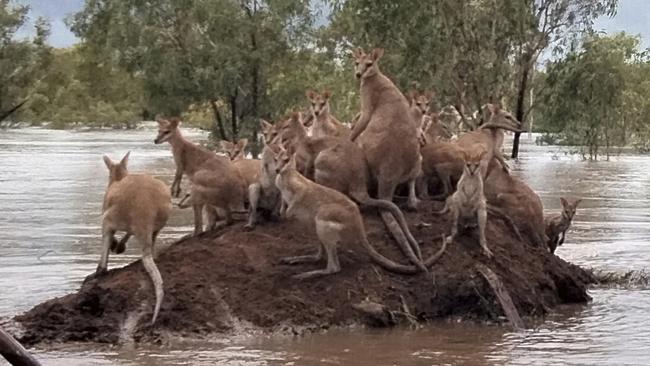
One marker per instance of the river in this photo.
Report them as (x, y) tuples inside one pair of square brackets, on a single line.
[(51, 188)]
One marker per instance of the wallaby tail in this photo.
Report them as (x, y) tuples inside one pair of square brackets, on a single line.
[(392, 266), (401, 221), (154, 274)]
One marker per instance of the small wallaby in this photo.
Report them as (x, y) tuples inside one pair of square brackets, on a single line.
[(139, 205), (467, 205), (385, 130), (249, 169), (216, 182), (336, 219), (419, 104), (264, 193), (324, 124), (234, 150), (443, 161), (557, 225)]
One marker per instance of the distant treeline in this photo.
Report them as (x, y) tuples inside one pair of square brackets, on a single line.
[(223, 64)]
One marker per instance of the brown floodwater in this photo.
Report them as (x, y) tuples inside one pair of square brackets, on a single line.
[(51, 188)]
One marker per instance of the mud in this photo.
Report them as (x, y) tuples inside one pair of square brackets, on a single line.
[(232, 281)]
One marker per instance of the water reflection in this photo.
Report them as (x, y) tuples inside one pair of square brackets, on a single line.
[(51, 188)]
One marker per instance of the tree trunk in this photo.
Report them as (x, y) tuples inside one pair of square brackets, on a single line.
[(255, 81), (218, 120), (521, 98), (233, 117), (12, 110)]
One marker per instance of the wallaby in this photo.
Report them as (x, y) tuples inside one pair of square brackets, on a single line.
[(324, 124), (336, 218), (249, 169), (557, 225), (342, 166), (489, 136), (384, 130), (234, 151), (263, 193), (139, 205), (467, 205), (433, 130), (419, 104), (216, 183), (510, 196)]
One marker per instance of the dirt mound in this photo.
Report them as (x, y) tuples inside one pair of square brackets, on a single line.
[(224, 281)]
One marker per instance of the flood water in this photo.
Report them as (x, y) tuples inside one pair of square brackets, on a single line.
[(51, 189)]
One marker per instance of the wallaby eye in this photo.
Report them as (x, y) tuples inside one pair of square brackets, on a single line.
[(369, 63)]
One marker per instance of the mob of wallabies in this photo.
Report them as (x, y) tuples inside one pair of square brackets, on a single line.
[(317, 170)]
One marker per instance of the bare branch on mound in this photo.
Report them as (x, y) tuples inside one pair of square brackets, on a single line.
[(407, 313), (502, 294), (14, 352)]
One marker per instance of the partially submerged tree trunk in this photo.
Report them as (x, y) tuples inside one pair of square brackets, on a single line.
[(14, 352)]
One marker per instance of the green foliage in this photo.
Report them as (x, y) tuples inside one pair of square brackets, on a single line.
[(595, 97)]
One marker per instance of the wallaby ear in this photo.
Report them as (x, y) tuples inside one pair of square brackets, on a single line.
[(265, 124), (326, 94), (564, 202), (242, 143), (357, 52), (481, 155), (161, 121), (429, 95), (412, 95), (125, 159), (491, 108), (310, 94), (377, 53), (107, 161), (575, 204)]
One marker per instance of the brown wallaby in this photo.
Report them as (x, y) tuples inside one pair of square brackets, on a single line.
[(489, 136), (467, 205), (419, 104), (511, 197), (234, 151), (139, 205), (324, 124), (263, 193), (249, 169), (342, 166), (443, 161), (433, 130), (384, 130), (557, 225), (336, 218), (216, 183)]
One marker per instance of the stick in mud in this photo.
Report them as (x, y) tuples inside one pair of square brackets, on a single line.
[(502, 294), (14, 352)]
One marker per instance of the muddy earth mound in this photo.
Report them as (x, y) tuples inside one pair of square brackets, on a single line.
[(233, 281)]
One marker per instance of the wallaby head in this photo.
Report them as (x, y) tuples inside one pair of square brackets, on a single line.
[(493, 116), (234, 150), (366, 63), (166, 129), (117, 171), (319, 102), (473, 162), (420, 101), (569, 207), (285, 159), (270, 131), (292, 128)]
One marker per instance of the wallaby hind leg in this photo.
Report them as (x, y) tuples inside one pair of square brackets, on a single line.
[(482, 223), (198, 218), (254, 194), (329, 234), (227, 219), (422, 187), (411, 250), (311, 258), (108, 236)]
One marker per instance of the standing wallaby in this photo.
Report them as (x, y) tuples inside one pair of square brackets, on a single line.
[(324, 124), (419, 104), (467, 205), (140, 206), (336, 218), (264, 193), (489, 136), (384, 130), (234, 151), (249, 169), (557, 225), (216, 183)]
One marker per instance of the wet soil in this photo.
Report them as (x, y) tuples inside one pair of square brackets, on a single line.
[(232, 281)]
